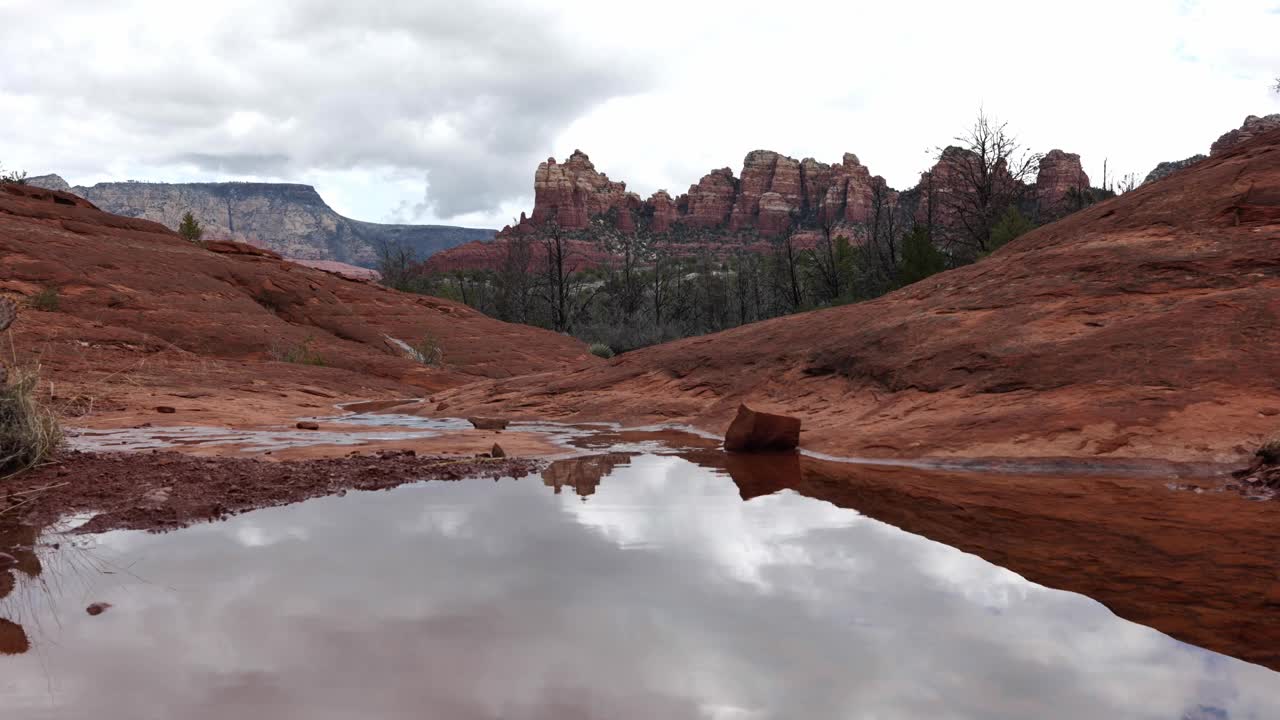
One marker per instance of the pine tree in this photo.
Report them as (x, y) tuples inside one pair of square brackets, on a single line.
[(190, 228), (920, 258)]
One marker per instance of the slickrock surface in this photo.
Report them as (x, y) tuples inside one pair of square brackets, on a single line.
[(143, 316), (1143, 326)]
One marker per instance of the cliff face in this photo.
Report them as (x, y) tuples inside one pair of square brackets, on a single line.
[(291, 220)]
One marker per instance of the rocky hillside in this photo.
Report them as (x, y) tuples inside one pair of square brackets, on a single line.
[(773, 196), (129, 312), (1141, 326), (1253, 126), (291, 220)]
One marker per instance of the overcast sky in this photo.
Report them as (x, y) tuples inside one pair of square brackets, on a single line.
[(439, 111)]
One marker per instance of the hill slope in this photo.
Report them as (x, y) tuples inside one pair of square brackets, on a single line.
[(291, 220), (1142, 326), (141, 311)]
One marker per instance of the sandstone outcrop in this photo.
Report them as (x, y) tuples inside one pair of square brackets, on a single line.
[(1252, 127), (134, 295), (1060, 177), (288, 219), (1167, 168), (48, 182)]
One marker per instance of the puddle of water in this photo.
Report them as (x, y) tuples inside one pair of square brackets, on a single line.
[(616, 586), (399, 428)]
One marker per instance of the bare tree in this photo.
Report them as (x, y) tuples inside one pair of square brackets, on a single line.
[(883, 240), (395, 263), (562, 290), (826, 262), (986, 173), (514, 281)]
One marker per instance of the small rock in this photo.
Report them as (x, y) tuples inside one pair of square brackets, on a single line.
[(156, 497), (308, 425), (166, 409), (97, 608), (1269, 411), (497, 451), (482, 423), (753, 431)]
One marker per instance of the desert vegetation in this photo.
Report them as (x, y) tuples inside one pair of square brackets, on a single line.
[(29, 430), (47, 300), (299, 353), (190, 228), (12, 176)]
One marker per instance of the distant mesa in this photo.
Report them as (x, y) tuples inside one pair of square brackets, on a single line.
[(289, 219)]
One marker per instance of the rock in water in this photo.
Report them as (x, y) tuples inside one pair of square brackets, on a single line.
[(481, 423), (753, 431), (497, 451), (97, 608), (308, 425)]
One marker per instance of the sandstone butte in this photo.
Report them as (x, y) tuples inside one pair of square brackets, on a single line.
[(145, 316), (1143, 326), (774, 196)]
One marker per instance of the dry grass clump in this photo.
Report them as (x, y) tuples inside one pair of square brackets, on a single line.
[(29, 430)]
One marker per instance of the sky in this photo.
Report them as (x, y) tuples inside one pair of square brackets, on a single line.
[(431, 111)]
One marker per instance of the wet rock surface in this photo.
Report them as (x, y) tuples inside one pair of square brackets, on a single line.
[(164, 490), (754, 431)]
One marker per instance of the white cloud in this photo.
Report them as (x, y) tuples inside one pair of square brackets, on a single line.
[(439, 111)]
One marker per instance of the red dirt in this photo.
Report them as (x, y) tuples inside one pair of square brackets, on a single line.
[(1143, 326), (164, 491)]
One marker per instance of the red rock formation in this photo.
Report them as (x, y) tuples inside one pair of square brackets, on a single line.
[(766, 172), (572, 193), (1060, 173), (775, 196), (712, 199), (663, 211), (1253, 127)]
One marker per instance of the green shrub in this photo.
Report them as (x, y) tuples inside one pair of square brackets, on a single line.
[(29, 430), (920, 258), (1012, 224), (298, 353), (428, 351), (599, 349), (190, 228), (47, 300)]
